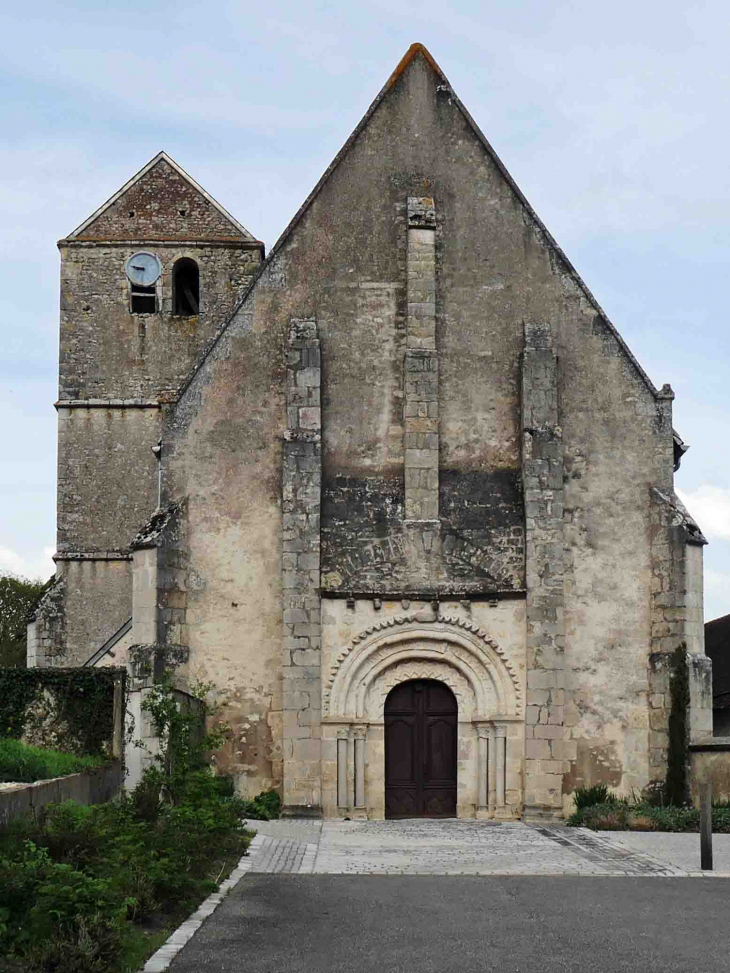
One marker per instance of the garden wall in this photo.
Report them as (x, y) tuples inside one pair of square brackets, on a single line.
[(90, 787), (79, 711)]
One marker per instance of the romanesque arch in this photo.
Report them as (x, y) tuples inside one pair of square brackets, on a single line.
[(452, 641), (448, 649)]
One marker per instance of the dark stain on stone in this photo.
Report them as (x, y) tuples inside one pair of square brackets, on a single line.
[(595, 764), (366, 542)]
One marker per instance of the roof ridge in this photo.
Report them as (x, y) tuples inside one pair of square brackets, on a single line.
[(161, 156)]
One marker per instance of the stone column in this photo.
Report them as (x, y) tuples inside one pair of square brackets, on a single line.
[(500, 759), (350, 769), (482, 771), (492, 768), (542, 475), (302, 488), (360, 737), (421, 366), (342, 736)]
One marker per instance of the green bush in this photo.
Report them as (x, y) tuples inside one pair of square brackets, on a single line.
[(264, 807), (78, 887), (588, 796), (642, 816), (23, 763), (71, 885)]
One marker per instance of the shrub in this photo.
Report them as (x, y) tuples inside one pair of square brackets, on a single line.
[(654, 793), (645, 817), (588, 796), (641, 822), (264, 807), (74, 885)]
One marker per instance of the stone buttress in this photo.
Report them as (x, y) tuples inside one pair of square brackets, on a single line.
[(542, 471), (301, 491)]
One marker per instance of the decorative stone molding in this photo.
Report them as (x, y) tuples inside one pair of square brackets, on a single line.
[(479, 652), (406, 671)]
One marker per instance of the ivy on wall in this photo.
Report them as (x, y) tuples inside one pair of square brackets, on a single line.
[(677, 782), (69, 709)]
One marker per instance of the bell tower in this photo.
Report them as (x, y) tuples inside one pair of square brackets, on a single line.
[(146, 281)]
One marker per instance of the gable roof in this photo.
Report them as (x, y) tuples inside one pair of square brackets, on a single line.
[(414, 51), (239, 228)]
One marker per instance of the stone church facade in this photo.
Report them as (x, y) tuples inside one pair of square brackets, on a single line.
[(400, 490)]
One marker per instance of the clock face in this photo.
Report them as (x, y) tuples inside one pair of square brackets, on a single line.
[(143, 268)]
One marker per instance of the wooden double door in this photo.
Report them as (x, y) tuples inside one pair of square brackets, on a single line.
[(420, 750)]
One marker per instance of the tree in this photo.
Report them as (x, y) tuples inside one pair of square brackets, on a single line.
[(18, 598)]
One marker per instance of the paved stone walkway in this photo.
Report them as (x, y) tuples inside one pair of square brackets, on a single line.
[(447, 847)]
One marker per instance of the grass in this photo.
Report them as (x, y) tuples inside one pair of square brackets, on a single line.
[(138, 945), (26, 764)]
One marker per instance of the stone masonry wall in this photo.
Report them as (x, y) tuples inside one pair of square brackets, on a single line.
[(344, 262), (431, 531), (163, 205), (301, 493), (106, 352), (545, 747)]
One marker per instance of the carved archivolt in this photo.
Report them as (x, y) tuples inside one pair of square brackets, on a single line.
[(405, 671), (451, 642)]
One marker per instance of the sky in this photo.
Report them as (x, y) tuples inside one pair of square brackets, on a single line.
[(612, 118)]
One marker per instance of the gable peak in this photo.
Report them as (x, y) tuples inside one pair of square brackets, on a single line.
[(162, 157), (414, 51)]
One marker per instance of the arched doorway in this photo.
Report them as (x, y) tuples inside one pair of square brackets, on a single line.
[(420, 750)]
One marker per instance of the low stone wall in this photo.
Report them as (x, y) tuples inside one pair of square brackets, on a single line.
[(90, 787), (710, 760)]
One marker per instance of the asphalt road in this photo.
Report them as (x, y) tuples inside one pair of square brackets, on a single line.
[(464, 924)]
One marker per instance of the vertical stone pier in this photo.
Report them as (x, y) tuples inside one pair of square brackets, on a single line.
[(421, 365), (542, 475), (302, 489)]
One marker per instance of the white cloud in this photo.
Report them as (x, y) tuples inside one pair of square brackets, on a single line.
[(710, 507), (33, 565)]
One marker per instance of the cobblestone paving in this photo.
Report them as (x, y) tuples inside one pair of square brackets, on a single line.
[(286, 845), (448, 847)]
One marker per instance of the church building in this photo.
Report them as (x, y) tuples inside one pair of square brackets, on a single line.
[(398, 489)]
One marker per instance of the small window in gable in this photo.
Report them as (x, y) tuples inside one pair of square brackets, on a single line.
[(185, 287), (144, 299)]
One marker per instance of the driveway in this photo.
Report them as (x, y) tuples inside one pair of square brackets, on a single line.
[(460, 896), (279, 923)]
